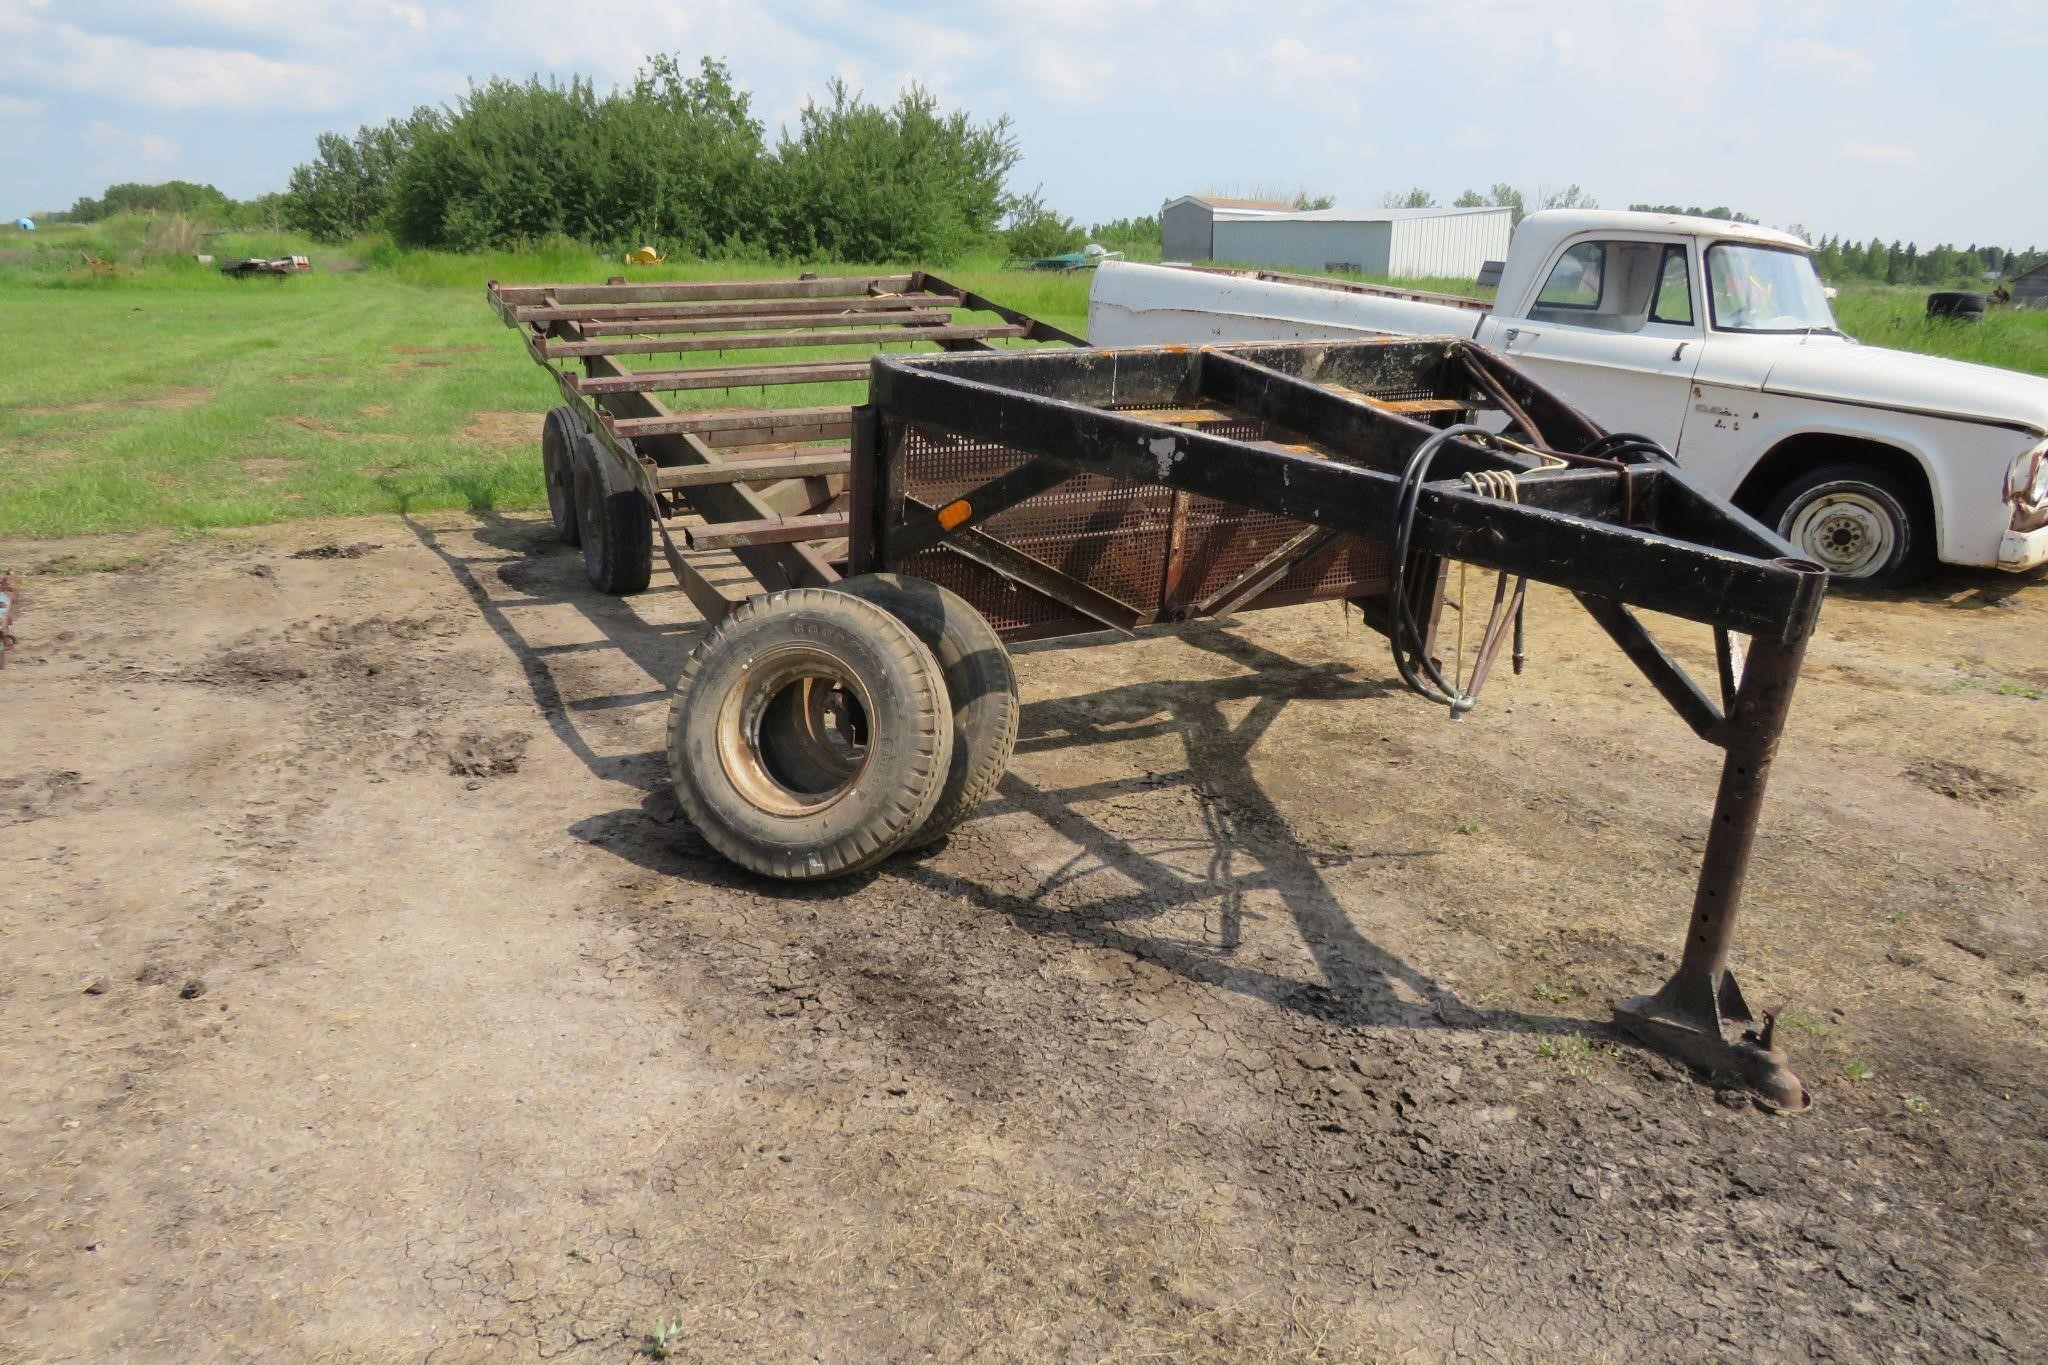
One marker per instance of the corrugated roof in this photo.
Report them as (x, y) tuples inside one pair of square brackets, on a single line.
[(1266, 205), (1372, 215)]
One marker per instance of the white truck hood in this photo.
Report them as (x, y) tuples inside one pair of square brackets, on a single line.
[(1149, 305), (1830, 368)]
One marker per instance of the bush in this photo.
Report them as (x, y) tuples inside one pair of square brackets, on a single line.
[(675, 160), (346, 189), (1035, 230), (862, 183), (203, 202)]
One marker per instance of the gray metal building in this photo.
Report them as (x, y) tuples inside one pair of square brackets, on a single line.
[(1185, 223), (2030, 289), (1399, 243)]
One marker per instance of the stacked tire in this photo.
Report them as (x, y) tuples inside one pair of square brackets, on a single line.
[(1957, 305), (816, 731)]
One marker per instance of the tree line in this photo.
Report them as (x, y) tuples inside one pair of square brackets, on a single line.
[(676, 158)]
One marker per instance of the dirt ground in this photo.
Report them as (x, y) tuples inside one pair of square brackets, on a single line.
[(363, 997)]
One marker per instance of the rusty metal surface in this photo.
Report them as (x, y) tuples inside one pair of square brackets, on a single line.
[(1157, 553), (701, 462)]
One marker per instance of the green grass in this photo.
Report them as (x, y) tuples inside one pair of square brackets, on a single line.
[(2014, 338), (170, 396), (165, 395)]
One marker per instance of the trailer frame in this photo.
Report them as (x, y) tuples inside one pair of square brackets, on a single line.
[(1069, 491)]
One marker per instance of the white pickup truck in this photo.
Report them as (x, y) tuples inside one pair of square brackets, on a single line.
[(1714, 339)]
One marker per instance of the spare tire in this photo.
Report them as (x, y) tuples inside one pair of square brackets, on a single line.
[(809, 735), (1957, 304), (981, 686), (559, 433)]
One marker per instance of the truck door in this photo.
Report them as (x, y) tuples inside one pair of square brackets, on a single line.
[(1615, 330)]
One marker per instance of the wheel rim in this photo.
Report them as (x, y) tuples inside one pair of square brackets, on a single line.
[(1848, 531), (793, 735)]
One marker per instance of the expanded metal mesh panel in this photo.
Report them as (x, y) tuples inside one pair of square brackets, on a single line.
[(1116, 536), (1109, 533)]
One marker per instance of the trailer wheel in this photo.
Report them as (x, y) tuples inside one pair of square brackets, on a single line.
[(981, 687), (1862, 524), (809, 735), (559, 434), (613, 522)]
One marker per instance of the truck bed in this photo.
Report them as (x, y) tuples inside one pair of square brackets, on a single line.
[(1151, 305)]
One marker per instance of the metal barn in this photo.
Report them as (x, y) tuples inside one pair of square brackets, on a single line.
[(1398, 243), (2030, 288), (1186, 223)]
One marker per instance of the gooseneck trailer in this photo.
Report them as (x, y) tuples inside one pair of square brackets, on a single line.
[(1015, 484)]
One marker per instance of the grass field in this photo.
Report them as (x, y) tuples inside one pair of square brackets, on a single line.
[(162, 394)]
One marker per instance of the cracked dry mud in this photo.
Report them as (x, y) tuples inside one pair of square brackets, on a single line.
[(364, 997)]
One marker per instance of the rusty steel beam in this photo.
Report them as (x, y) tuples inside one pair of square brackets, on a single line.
[(766, 531), (741, 341), (799, 312), (714, 423), (804, 465), (552, 296), (723, 377), (1700, 1014)]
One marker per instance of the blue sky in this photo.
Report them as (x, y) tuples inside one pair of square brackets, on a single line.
[(1919, 119)]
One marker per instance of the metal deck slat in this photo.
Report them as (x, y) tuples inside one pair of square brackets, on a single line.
[(740, 341), (771, 531), (724, 377), (938, 315), (797, 465)]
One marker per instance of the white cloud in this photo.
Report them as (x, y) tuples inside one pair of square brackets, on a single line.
[(60, 57), (15, 109), (1881, 153), (1814, 57), (128, 156), (1324, 77)]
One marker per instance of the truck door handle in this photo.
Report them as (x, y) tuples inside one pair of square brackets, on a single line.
[(1679, 350)]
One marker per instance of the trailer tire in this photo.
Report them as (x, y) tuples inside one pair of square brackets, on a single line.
[(809, 735), (981, 688), (559, 433), (614, 523)]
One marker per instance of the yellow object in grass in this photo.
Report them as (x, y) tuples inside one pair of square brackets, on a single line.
[(646, 255)]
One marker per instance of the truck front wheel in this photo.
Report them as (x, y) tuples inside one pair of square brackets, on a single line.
[(1861, 524)]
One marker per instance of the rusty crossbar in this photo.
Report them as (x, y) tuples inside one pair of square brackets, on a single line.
[(756, 478)]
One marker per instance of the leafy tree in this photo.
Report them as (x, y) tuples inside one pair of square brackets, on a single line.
[(1417, 198), (345, 189), (1304, 202), (200, 202), (1132, 236), (861, 182), (1570, 197), (1033, 230)]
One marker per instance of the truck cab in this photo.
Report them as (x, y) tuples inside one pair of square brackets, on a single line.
[(1717, 341)]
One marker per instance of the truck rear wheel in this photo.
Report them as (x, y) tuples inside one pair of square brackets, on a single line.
[(981, 688), (1863, 525), (809, 735), (559, 434), (613, 522)]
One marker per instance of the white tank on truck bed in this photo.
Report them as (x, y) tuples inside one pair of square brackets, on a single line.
[(1153, 305)]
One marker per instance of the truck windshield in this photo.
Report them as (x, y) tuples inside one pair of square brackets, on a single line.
[(1765, 289)]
